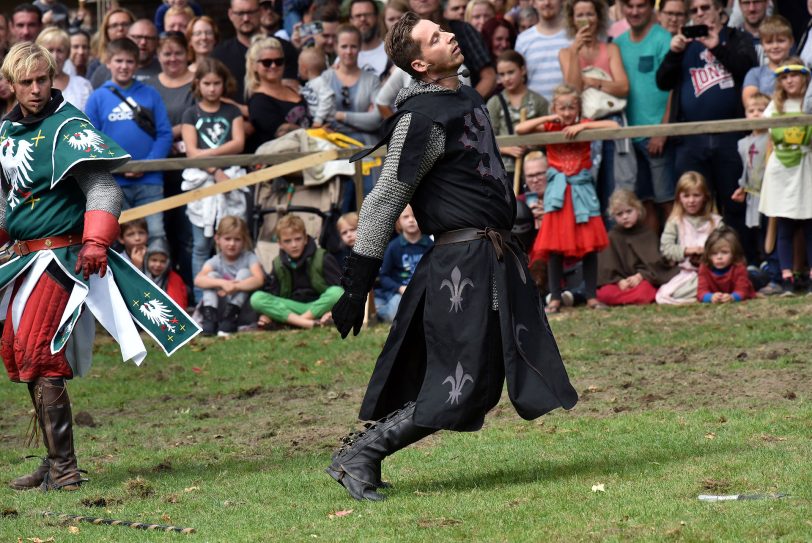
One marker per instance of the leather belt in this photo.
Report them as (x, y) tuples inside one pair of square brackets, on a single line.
[(496, 236), (22, 248)]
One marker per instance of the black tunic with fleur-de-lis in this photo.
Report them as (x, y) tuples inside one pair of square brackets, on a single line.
[(468, 320)]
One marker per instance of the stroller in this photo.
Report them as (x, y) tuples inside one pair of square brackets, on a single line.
[(316, 195)]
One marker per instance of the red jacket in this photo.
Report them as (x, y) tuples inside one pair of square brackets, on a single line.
[(176, 289), (733, 281)]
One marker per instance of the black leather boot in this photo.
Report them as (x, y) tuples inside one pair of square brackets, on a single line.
[(230, 316), (357, 465), (34, 480), (209, 320), (57, 422)]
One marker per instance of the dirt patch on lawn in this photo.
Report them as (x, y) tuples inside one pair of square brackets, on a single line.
[(675, 379)]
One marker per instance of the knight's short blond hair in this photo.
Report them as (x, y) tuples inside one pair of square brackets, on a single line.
[(24, 58)]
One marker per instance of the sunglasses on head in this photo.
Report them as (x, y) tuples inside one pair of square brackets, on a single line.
[(268, 62)]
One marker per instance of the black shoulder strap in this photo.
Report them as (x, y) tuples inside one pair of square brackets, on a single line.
[(122, 97), (506, 111), (389, 127)]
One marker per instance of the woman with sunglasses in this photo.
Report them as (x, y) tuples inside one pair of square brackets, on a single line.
[(202, 35), (274, 109), (355, 89), (114, 26)]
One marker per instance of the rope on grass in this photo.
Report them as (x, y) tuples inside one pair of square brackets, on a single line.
[(125, 523)]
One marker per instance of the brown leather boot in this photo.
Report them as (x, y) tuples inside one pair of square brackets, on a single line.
[(34, 480), (57, 422)]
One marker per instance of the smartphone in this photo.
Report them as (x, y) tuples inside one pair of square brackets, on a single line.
[(531, 198), (310, 29), (695, 31)]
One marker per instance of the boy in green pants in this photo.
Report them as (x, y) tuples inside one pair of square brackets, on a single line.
[(304, 281)]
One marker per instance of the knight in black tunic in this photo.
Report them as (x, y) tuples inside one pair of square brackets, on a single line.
[(471, 316)]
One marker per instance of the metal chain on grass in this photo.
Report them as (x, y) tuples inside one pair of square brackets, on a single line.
[(125, 523)]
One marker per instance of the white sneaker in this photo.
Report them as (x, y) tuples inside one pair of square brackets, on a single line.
[(567, 299)]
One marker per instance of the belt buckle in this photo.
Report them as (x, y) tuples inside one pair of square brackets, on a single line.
[(21, 248), (48, 243)]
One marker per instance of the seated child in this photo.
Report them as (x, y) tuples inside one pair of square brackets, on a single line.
[(631, 268), (157, 267), (134, 237), (347, 226), (228, 277), (692, 220), (399, 262), (304, 282), (723, 273), (320, 98)]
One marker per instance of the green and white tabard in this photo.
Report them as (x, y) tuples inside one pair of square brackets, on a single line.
[(43, 201)]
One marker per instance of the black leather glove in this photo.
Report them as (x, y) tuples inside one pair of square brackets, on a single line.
[(357, 279)]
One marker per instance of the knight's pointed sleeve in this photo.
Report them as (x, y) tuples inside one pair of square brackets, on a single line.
[(77, 141)]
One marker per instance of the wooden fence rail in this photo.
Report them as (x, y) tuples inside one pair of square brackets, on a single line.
[(286, 163)]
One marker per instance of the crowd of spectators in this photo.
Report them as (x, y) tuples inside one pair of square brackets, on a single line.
[(172, 85)]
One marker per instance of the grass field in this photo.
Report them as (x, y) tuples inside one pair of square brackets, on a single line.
[(231, 437)]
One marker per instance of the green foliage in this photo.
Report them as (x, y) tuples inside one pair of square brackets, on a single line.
[(231, 437)]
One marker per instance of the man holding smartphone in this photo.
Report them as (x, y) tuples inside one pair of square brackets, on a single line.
[(706, 74)]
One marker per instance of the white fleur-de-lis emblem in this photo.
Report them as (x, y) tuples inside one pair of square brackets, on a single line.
[(159, 314), (455, 287), (457, 382)]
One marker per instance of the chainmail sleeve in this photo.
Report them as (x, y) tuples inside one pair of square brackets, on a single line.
[(99, 186), (383, 206), (2, 207)]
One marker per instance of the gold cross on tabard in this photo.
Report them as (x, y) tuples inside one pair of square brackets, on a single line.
[(38, 137), (33, 201)]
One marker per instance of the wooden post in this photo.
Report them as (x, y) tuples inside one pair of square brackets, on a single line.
[(517, 173), (358, 179), (769, 236), (369, 310)]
